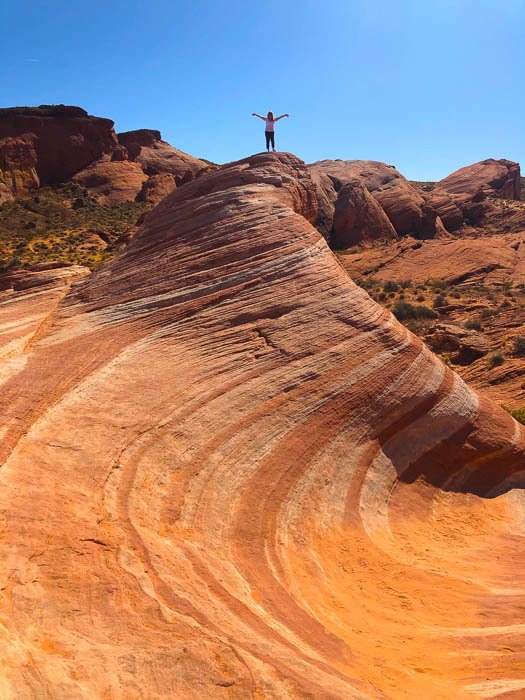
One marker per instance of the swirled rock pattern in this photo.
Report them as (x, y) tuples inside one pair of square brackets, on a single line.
[(228, 473)]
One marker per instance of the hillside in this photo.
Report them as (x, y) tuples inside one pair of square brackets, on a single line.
[(247, 479)]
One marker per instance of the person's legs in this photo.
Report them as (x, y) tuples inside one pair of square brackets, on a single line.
[(268, 135), (272, 136)]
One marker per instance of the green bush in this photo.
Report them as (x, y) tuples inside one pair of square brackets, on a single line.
[(473, 324), (496, 359), (438, 285), (390, 286), (487, 313), (517, 413), (403, 311), (519, 345), (440, 301)]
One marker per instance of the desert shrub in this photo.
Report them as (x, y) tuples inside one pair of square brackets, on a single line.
[(519, 345), (487, 313), (390, 286), (405, 284), (438, 285), (496, 359), (517, 413), (505, 304), (403, 310), (456, 295), (381, 296), (440, 301), (420, 297), (473, 324), (507, 285)]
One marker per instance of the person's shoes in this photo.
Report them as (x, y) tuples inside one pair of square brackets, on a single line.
[(273, 150)]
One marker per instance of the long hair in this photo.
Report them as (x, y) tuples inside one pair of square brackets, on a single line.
[(270, 116)]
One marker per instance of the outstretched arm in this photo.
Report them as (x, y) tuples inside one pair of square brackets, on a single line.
[(282, 115), (254, 114)]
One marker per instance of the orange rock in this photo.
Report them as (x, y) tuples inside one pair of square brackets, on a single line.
[(227, 472), (496, 177), (358, 218), (408, 208), (67, 138), (112, 181), (18, 174)]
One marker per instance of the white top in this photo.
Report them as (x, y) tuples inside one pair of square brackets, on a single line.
[(269, 123)]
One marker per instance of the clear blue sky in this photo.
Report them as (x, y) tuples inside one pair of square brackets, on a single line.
[(426, 85)]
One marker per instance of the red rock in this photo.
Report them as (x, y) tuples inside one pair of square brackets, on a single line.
[(18, 174), (447, 209), (407, 207), (227, 472), (156, 188), (67, 138), (112, 181), (500, 178), (358, 218), (146, 147)]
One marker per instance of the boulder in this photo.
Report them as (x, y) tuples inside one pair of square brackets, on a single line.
[(112, 182), (498, 178), (358, 218), (156, 187), (408, 208), (467, 345)]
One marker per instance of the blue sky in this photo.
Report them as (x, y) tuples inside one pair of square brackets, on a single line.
[(425, 85)]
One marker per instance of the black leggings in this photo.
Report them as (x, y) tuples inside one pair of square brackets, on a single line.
[(270, 136)]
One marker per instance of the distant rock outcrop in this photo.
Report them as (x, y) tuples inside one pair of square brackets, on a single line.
[(407, 207), (500, 178), (469, 195), (154, 155), (112, 181), (67, 139), (18, 160)]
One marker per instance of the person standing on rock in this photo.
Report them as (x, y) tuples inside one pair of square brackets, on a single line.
[(269, 127)]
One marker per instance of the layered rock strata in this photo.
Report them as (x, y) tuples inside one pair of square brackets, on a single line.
[(228, 473)]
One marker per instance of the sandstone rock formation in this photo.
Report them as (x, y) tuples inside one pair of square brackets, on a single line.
[(112, 181), (480, 260), (156, 188), (358, 218), (67, 139), (228, 473), (500, 178), (407, 207), (146, 147), (18, 174)]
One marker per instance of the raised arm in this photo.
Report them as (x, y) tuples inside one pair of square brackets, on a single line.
[(282, 115), (254, 114)]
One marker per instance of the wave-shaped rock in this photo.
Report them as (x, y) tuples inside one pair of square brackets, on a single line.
[(227, 472)]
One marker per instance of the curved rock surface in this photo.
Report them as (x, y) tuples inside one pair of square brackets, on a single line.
[(112, 182), (228, 473), (146, 147), (406, 206), (500, 178), (358, 218)]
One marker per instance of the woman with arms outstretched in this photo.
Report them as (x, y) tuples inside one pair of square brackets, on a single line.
[(269, 127)]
